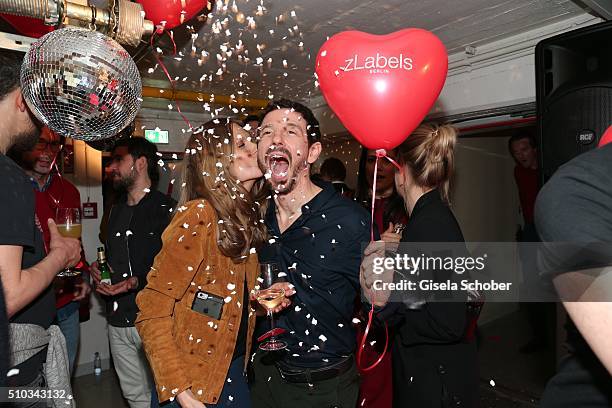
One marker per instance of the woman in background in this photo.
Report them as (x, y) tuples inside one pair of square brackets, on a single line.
[(388, 206), (434, 364), (194, 318)]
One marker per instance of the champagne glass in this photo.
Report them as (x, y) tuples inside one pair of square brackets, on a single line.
[(270, 298), (68, 222)]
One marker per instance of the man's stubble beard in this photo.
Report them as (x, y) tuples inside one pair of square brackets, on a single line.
[(26, 140), (125, 183)]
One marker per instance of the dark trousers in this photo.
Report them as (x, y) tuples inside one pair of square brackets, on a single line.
[(270, 390)]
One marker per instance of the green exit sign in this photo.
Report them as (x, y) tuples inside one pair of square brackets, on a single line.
[(156, 136)]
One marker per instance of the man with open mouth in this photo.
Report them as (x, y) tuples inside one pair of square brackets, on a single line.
[(315, 236)]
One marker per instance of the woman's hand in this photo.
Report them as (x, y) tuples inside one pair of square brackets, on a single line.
[(391, 238), (188, 400), (262, 311), (373, 270)]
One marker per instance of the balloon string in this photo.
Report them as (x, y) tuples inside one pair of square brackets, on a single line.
[(160, 30), (379, 153), (364, 338)]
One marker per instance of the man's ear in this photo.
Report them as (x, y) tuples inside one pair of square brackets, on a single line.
[(314, 151), (20, 101), (141, 164)]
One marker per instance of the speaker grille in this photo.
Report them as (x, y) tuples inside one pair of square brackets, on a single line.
[(565, 117)]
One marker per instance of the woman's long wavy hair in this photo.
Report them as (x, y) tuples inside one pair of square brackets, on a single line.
[(208, 156)]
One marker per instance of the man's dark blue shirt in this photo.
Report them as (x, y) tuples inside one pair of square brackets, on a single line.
[(321, 255)]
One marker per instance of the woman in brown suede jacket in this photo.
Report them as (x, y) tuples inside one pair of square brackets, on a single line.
[(207, 251)]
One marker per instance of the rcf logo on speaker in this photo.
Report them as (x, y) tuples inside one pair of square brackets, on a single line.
[(585, 137)]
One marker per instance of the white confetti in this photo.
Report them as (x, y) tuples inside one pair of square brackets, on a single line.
[(12, 372), (492, 382), (322, 338)]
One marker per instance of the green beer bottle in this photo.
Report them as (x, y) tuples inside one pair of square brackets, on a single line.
[(105, 276)]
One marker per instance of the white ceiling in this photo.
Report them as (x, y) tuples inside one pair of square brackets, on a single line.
[(304, 26)]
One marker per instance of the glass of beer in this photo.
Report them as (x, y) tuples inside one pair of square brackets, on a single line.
[(270, 298), (68, 222)]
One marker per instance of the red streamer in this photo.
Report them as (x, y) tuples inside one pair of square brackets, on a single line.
[(160, 30)]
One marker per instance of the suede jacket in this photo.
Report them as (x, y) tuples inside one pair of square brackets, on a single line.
[(187, 349)]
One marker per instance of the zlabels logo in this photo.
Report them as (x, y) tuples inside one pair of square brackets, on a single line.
[(378, 64)]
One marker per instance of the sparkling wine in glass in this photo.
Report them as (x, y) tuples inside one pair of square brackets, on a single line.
[(270, 298), (68, 221)]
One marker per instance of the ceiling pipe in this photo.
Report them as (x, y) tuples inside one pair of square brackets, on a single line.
[(122, 20), (201, 97)]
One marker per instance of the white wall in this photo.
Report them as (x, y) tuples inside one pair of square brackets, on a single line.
[(87, 178)]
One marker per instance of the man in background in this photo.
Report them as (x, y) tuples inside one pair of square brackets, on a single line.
[(135, 225), (333, 170), (523, 149), (52, 192), (26, 270)]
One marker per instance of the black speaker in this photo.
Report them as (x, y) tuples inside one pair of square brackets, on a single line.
[(573, 93)]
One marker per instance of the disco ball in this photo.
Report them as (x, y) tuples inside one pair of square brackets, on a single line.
[(81, 83)]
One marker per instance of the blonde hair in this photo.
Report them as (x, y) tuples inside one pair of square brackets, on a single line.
[(208, 156), (429, 154)]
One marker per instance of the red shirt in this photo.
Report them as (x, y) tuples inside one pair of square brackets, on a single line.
[(58, 193), (528, 187), (380, 205)]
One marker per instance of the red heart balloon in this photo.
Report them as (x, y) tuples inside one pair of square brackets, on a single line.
[(382, 86), (28, 26), (171, 13)]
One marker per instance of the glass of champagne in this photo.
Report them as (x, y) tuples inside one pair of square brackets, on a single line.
[(270, 298), (68, 222)]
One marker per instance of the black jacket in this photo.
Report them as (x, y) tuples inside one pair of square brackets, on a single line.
[(432, 365), (142, 241)]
